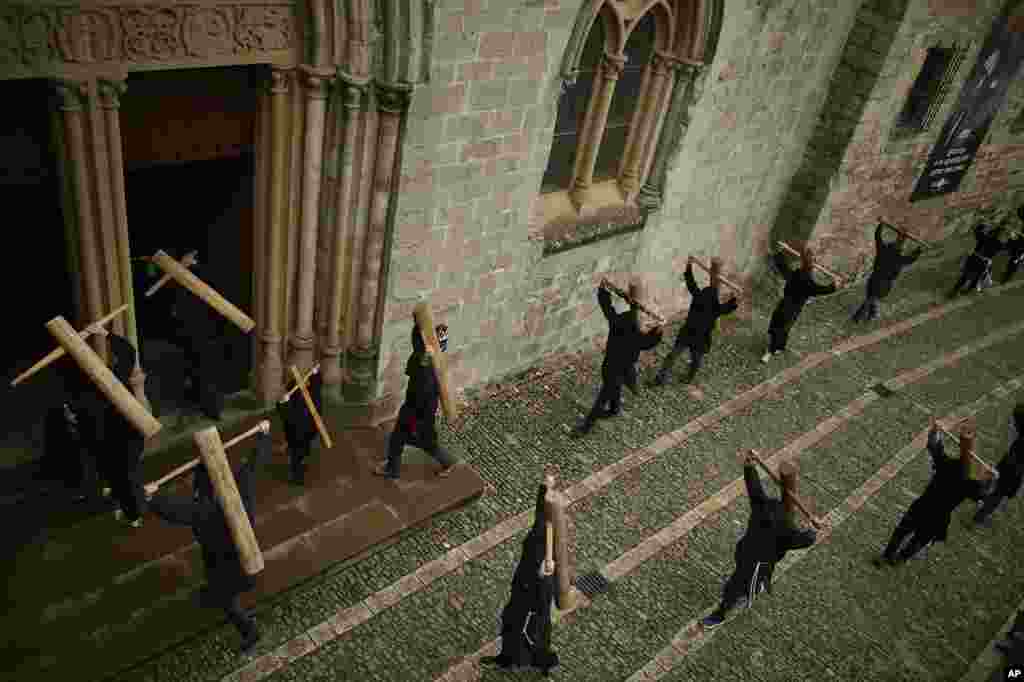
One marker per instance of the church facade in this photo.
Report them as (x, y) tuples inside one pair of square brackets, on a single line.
[(499, 157)]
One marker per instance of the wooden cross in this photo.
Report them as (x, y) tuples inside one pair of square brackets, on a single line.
[(204, 291), (59, 351), (425, 323), (788, 490), (735, 287), (630, 300), (904, 232), (966, 443), (100, 374), (789, 249), (301, 385), (188, 261), (151, 488)]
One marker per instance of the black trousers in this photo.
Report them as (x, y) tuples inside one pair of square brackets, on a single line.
[(918, 540), (988, 506), (696, 358), (744, 584), (973, 270), (125, 485), (868, 310), (778, 337), (424, 439), (610, 394)]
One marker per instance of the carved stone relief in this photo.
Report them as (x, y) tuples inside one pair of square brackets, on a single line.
[(34, 36)]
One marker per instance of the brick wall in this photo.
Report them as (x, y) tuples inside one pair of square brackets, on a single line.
[(877, 173), (763, 151)]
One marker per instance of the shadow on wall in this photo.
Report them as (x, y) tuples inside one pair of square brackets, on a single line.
[(844, 106)]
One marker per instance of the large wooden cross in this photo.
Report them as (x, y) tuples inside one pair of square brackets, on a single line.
[(425, 323), (180, 274)]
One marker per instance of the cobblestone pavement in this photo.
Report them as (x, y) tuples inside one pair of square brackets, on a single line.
[(832, 615)]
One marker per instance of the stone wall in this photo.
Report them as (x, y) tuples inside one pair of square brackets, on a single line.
[(760, 160), (877, 173)]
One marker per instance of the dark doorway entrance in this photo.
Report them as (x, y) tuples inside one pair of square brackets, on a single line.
[(36, 275), (189, 139)]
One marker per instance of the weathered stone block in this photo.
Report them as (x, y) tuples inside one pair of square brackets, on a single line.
[(488, 95)]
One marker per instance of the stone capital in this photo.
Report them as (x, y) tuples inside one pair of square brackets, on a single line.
[(111, 92), (393, 98), (280, 79), (316, 80), (612, 65), (73, 93)]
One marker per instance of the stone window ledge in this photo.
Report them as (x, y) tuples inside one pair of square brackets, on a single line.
[(605, 215)]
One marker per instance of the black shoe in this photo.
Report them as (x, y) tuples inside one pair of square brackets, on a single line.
[(660, 379), (496, 660), (382, 470), (712, 621), (883, 561)]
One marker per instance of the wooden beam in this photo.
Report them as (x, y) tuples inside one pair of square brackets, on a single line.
[(97, 370), (226, 490), (312, 408), (630, 300), (789, 249), (59, 351), (151, 488), (904, 232), (796, 499), (204, 291), (735, 287), (188, 261), (425, 321)]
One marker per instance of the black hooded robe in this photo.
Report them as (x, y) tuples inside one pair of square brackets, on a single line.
[(889, 262), (200, 333), (696, 334), (800, 288), (622, 351), (768, 537), (1015, 248), (299, 428), (987, 245), (1011, 472), (928, 517), (115, 444), (225, 577), (415, 425), (526, 618)]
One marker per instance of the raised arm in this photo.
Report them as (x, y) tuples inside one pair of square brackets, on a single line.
[(822, 289), (755, 491), (604, 299), (691, 283), (911, 257), (936, 448), (878, 238), (650, 339), (799, 538), (730, 306), (782, 264)]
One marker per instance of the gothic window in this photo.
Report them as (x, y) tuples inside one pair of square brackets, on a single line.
[(638, 52), (572, 108), (928, 91)]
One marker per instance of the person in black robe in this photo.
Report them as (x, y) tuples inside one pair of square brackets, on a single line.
[(889, 261), (621, 353), (67, 457), (299, 428), (701, 319), (928, 517), (768, 537), (199, 331), (115, 444), (1015, 249), (1013, 643), (526, 618), (226, 579), (800, 287), (979, 263), (415, 425), (1010, 468)]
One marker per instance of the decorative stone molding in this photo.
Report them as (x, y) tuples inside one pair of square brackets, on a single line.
[(612, 66), (33, 36), (110, 93), (393, 98), (677, 120), (73, 94)]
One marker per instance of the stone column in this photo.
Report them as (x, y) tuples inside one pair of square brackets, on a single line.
[(643, 122), (316, 103), (74, 95), (593, 128), (259, 239), (110, 99), (393, 102), (352, 96), (107, 232), (271, 384), (674, 126)]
